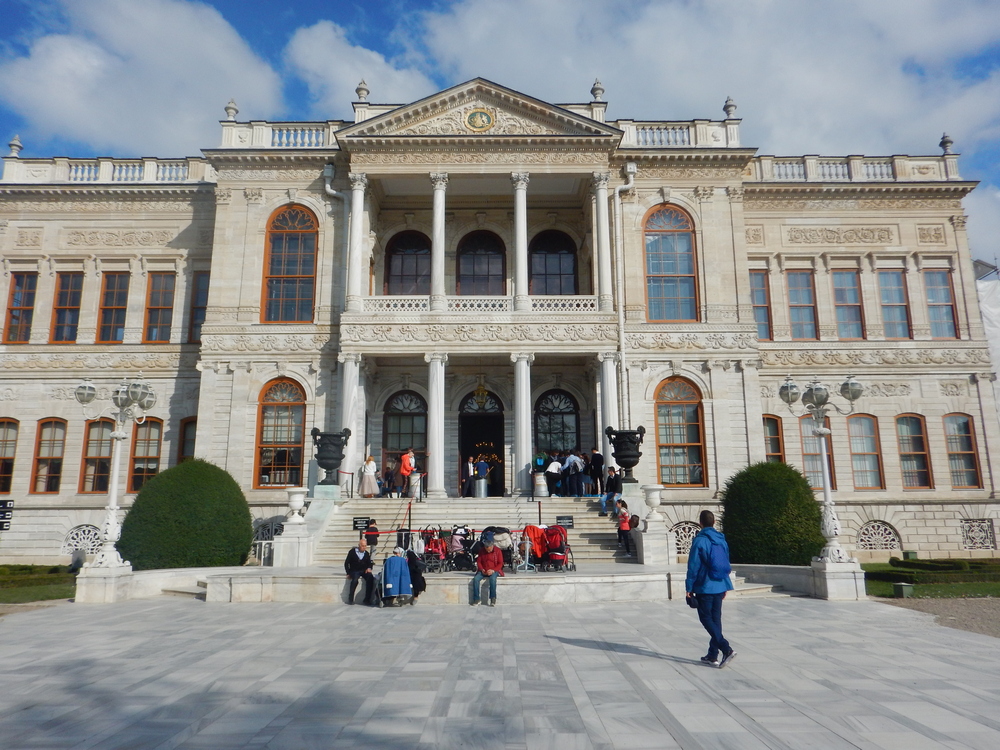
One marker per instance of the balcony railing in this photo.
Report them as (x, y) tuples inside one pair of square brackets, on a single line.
[(854, 169), (570, 304), (106, 171)]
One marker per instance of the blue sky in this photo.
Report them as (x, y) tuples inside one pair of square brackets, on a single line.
[(150, 77)]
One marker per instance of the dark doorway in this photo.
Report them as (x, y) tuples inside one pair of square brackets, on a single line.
[(480, 433)]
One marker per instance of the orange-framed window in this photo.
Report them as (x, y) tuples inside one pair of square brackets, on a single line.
[(186, 441), (97, 447), (914, 456), (20, 308), (66, 310), (552, 263), (812, 454), (774, 441), (680, 434), (866, 452), (941, 304), (145, 459), (408, 264), (199, 305), (671, 275), (963, 457), (895, 304), (8, 447), (481, 264), (802, 305), (50, 444), (760, 297), (159, 308), (290, 266), (280, 435), (847, 305), (114, 304)]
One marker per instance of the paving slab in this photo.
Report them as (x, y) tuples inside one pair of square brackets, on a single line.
[(175, 673)]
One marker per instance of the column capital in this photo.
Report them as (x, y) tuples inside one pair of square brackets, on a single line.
[(359, 180), (958, 221), (345, 357), (601, 180), (516, 357), (607, 356), (441, 357), (519, 180), (439, 180)]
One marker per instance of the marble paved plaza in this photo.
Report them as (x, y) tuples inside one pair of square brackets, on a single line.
[(176, 673)]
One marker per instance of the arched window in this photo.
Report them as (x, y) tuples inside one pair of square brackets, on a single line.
[(405, 425), (290, 266), (97, 445), (553, 263), (46, 474), (557, 422), (914, 459), (671, 281), (866, 453), (878, 535), (86, 538), (408, 264), (680, 434), (684, 533), (963, 460), (280, 433), (812, 456), (145, 463), (774, 442), (8, 447), (186, 441), (482, 263)]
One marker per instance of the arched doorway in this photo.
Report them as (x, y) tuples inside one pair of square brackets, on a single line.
[(480, 433)]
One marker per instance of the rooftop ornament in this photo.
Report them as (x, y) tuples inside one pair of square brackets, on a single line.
[(362, 91), (729, 107), (597, 90), (946, 143), (231, 110), (15, 146)]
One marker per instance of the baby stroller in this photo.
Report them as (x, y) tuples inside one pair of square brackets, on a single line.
[(558, 554), (435, 550), (533, 545), (459, 556)]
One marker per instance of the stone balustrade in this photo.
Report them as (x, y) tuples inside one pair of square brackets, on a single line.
[(284, 135), (106, 171), (563, 303), (854, 169), (685, 134)]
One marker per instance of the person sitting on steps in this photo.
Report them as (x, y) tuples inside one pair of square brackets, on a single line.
[(359, 565), (489, 565)]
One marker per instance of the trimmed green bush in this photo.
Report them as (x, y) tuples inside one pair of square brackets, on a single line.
[(771, 516), (191, 516), (985, 570)]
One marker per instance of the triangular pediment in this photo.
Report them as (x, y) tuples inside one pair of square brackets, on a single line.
[(478, 109)]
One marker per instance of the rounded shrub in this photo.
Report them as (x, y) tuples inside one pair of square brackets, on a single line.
[(191, 516), (771, 516)]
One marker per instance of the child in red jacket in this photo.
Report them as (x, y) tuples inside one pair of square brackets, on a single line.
[(624, 528)]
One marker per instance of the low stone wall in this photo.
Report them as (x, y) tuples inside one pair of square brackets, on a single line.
[(836, 581), (104, 586)]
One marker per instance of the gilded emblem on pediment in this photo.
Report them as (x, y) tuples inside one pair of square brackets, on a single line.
[(479, 120)]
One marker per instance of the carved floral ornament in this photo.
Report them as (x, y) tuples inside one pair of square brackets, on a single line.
[(592, 159), (93, 362), (875, 357), (931, 234), (118, 237), (839, 235), (797, 203)]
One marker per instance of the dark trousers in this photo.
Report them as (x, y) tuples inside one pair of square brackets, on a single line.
[(551, 480), (598, 479), (575, 488), (625, 539), (710, 614), (369, 586)]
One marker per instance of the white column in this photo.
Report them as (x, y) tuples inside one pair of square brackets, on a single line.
[(355, 271), (438, 302), (520, 182), (435, 423), (605, 300), (350, 372), (522, 420), (609, 401)]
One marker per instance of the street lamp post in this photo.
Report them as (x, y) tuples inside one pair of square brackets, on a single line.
[(131, 399), (816, 400)]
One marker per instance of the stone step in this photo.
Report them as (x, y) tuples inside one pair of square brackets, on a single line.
[(189, 592)]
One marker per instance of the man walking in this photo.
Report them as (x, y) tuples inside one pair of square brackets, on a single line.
[(708, 581)]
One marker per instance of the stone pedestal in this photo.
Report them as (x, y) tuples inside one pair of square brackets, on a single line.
[(634, 497), (838, 581), (103, 585), (293, 547), (654, 543), (541, 487)]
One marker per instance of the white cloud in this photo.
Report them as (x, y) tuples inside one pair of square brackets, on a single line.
[(332, 67), (983, 207), (155, 80)]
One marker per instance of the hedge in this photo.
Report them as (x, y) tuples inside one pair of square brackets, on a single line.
[(938, 571)]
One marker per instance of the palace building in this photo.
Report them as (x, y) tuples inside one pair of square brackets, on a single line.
[(482, 272)]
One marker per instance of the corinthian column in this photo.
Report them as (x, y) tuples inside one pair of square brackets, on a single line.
[(520, 182), (522, 420), (438, 302), (604, 297), (435, 424), (609, 400), (355, 272), (350, 387)]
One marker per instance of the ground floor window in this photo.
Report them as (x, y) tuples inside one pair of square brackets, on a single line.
[(680, 434), (557, 422), (280, 434)]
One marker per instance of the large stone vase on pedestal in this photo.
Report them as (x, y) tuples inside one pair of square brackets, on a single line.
[(330, 452), (654, 543), (626, 454)]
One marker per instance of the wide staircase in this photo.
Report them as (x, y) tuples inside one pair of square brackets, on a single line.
[(593, 538)]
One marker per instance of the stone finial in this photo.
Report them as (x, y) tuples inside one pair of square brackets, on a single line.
[(729, 107), (597, 90), (946, 143), (362, 91), (15, 146), (231, 110)]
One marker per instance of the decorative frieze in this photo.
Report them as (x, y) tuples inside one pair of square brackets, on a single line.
[(692, 341), (884, 235), (930, 234), (479, 117), (61, 362), (118, 237), (28, 238), (183, 204), (268, 343), (887, 390), (592, 158), (265, 174), (848, 204), (806, 357), (689, 173)]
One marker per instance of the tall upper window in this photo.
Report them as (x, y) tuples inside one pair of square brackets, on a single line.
[(671, 282), (66, 310), (914, 459), (866, 454), (895, 304), (963, 461), (280, 433), (20, 308), (97, 444), (199, 306), (290, 266), (186, 441), (47, 471), (405, 424), (557, 422), (408, 264), (680, 434), (940, 304), (159, 307), (774, 443), (8, 446), (114, 303), (760, 296), (802, 304), (553, 263), (481, 264), (145, 463), (847, 301), (812, 454)]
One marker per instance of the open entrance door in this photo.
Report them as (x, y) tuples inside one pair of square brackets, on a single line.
[(480, 433)]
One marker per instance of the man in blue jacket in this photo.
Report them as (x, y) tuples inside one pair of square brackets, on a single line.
[(708, 581)]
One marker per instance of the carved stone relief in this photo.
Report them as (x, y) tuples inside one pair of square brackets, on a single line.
[(952, 388), (94, 362), (253, 194), (268, 343), (480, 116), (839, 235), (118, 237), (930, 234), (592, 158), (29, 238), (824, 204), (755, 235), (887, 390), (266, 174), (689, 173), (876, 357)]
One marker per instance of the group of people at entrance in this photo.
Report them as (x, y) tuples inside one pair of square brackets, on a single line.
[(571, 473), (475, 469), (399, 477)]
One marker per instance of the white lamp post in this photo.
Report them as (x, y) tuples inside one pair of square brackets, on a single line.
[(131, 402), (816, 400)]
